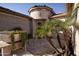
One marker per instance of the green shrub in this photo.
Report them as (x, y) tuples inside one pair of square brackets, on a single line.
[(24, 38)]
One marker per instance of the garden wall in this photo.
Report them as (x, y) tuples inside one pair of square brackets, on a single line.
[(6, 37)]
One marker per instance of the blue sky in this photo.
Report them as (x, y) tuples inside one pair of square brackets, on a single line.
[(24, 7)]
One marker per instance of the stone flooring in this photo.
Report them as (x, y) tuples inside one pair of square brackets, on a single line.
[(22, 52)]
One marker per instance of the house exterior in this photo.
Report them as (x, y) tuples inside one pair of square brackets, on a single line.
[(10, 19), (38, 14)]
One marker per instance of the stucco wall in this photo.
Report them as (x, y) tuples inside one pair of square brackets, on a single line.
[(77, 34), (8, 22), (77, 43), (7, 37), (40, 14)]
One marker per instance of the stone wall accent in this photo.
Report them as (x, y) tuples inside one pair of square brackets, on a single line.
[(7, 51), (5, 36)]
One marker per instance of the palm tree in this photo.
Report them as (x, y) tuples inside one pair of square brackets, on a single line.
[(55, 25)]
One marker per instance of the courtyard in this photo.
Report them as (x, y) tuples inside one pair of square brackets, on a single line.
[(43, 32)]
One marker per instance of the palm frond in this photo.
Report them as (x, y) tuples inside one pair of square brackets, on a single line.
[(49, 27)]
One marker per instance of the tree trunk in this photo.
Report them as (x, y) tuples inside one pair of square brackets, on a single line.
[(66, 42), (67, 37), (58, 39)]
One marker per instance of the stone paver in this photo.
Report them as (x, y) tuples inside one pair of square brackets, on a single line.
[(22, 52)]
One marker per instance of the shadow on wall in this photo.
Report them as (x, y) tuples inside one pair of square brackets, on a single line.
[(16, 28)]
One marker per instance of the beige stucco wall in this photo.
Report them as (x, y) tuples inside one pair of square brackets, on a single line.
[(77, 43), (77, 35), (44, 14), (8, 22), (6, 37)]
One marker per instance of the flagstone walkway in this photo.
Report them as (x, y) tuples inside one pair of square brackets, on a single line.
[(22, 52)]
